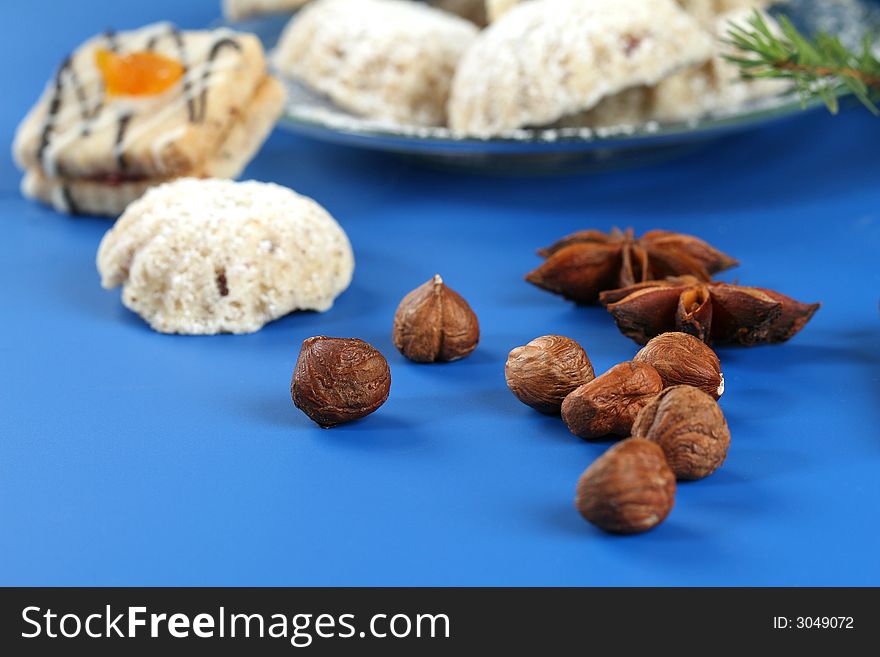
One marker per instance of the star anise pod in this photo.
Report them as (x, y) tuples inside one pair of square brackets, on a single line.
[(583, 264), (713, 312)]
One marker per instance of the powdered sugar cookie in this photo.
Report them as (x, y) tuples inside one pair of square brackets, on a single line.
[(707, 11), (134, 109), (546, 59), (704, 10), (383, 59), (630, 107), (717, 85), (216, 256)]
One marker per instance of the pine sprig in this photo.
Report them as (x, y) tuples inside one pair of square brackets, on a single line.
[(819, 66)]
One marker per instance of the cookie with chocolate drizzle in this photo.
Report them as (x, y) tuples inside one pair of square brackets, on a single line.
[(130, 110)]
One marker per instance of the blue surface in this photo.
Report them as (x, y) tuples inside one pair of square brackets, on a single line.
[(129, 457)]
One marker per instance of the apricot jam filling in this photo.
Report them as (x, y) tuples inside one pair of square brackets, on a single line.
[(142, 73)]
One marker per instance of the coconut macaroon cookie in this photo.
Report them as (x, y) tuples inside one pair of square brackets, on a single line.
[(134, 109), (546, 59), (217, 256), (383, 59)]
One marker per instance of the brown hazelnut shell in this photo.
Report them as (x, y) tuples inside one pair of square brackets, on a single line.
[(627, 490), (434, 323), (690, 428), (610, 403), (338, 380), (682, 359), (543, 372)]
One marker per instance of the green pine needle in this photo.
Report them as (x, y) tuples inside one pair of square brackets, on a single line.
[(821, 66)]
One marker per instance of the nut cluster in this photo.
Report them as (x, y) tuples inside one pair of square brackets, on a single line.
[(665, 399), (660, 292)]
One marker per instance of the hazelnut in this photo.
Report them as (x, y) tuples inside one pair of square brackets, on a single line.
[(545, 370), (434, 323), (627, 490), (690, 428), (682, 359), (338, 380), (609, 404)]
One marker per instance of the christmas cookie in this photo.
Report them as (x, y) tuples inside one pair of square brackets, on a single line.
[(383, 59), (547, 59), (130, 110), (216, 256), (236, 10)]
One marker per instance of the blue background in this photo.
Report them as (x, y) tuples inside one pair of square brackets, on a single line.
[(129, 457)]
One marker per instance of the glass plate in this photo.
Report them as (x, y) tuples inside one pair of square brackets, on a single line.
[(540, 149)]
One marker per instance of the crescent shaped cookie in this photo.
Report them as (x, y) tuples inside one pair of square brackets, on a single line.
[(715, 87), (546, 59), (383, 59)]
